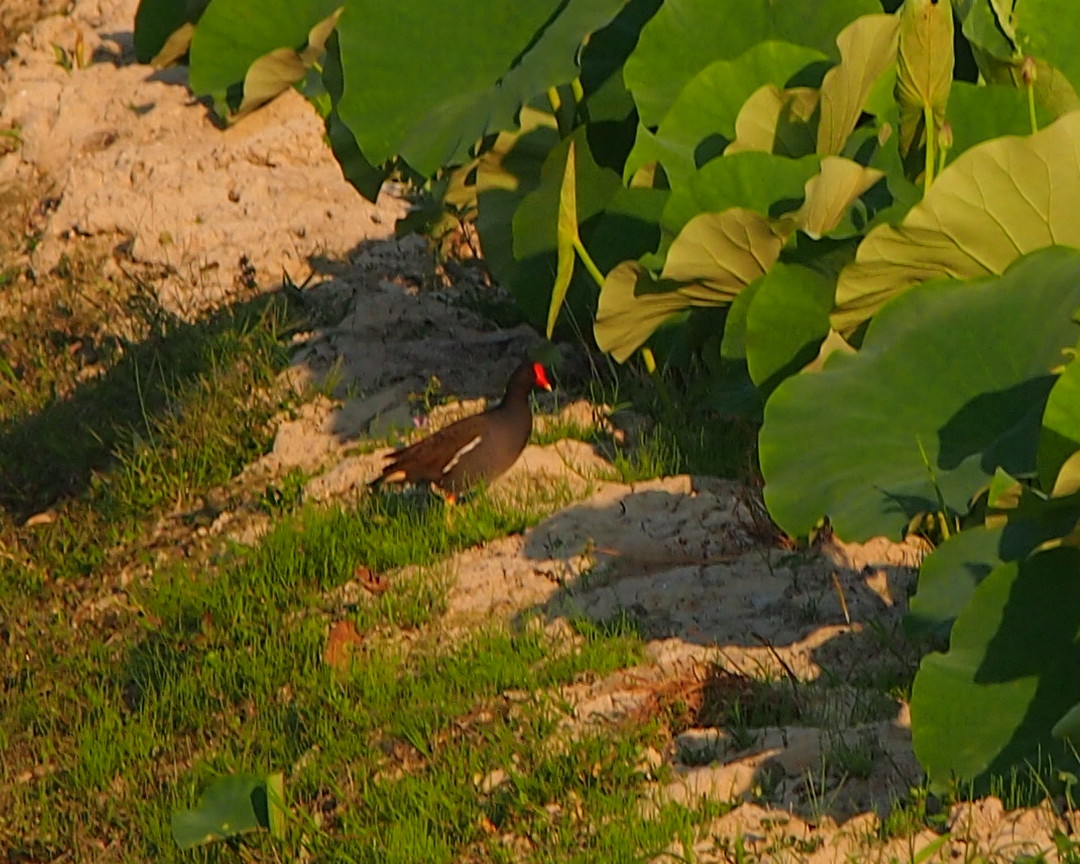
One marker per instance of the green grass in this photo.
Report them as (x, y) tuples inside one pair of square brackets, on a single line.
[(222, 671), (682, 434), (139, 662), (133, 676), (177, 415)]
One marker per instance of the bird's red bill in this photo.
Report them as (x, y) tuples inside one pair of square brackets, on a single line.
[(541, 376)]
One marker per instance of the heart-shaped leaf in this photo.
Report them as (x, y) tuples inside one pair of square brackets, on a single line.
[(633, 305), (1009, 677), (707, 107), (683, 38), (996, 202), (949, 384), (724, 251)]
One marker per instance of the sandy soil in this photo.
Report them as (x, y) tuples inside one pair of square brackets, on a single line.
[(117, 160)]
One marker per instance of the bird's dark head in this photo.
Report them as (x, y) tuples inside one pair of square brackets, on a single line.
[(527, 376)]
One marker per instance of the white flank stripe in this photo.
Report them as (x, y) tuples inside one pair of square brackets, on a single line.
[(472, 445)]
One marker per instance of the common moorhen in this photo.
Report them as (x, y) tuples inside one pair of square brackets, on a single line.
[(477, 449)]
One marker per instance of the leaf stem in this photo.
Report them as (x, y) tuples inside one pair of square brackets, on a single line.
[(931, 134), (590, 265)]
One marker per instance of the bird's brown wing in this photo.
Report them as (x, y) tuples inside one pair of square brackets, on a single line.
[(426, 459)]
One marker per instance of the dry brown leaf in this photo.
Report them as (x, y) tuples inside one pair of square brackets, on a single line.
[(46, 517), (340, 645), (370, 581)]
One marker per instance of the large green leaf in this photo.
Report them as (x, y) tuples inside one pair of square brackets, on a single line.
[(948, 578), (366, 177), (996, 202), (1050, 30), (1020, 519), (701, 121), (1060, 437), (950, 383), (990, 703), (752, 180), (980, 113), (685, 37), (786, 322), (426, 80), (233, 34), (232, 805)]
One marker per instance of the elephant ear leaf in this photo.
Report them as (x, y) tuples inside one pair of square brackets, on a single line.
[(1032, 182), (873, 439), (1006, 692)]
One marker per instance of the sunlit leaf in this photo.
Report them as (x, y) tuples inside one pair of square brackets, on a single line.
[(830, 194), (567, 233), (633, 305), (724, 251), (776, 121), (925, 66), (996, 202), (867, 48)]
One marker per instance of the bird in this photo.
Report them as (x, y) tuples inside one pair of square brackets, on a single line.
[(474, 450)]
